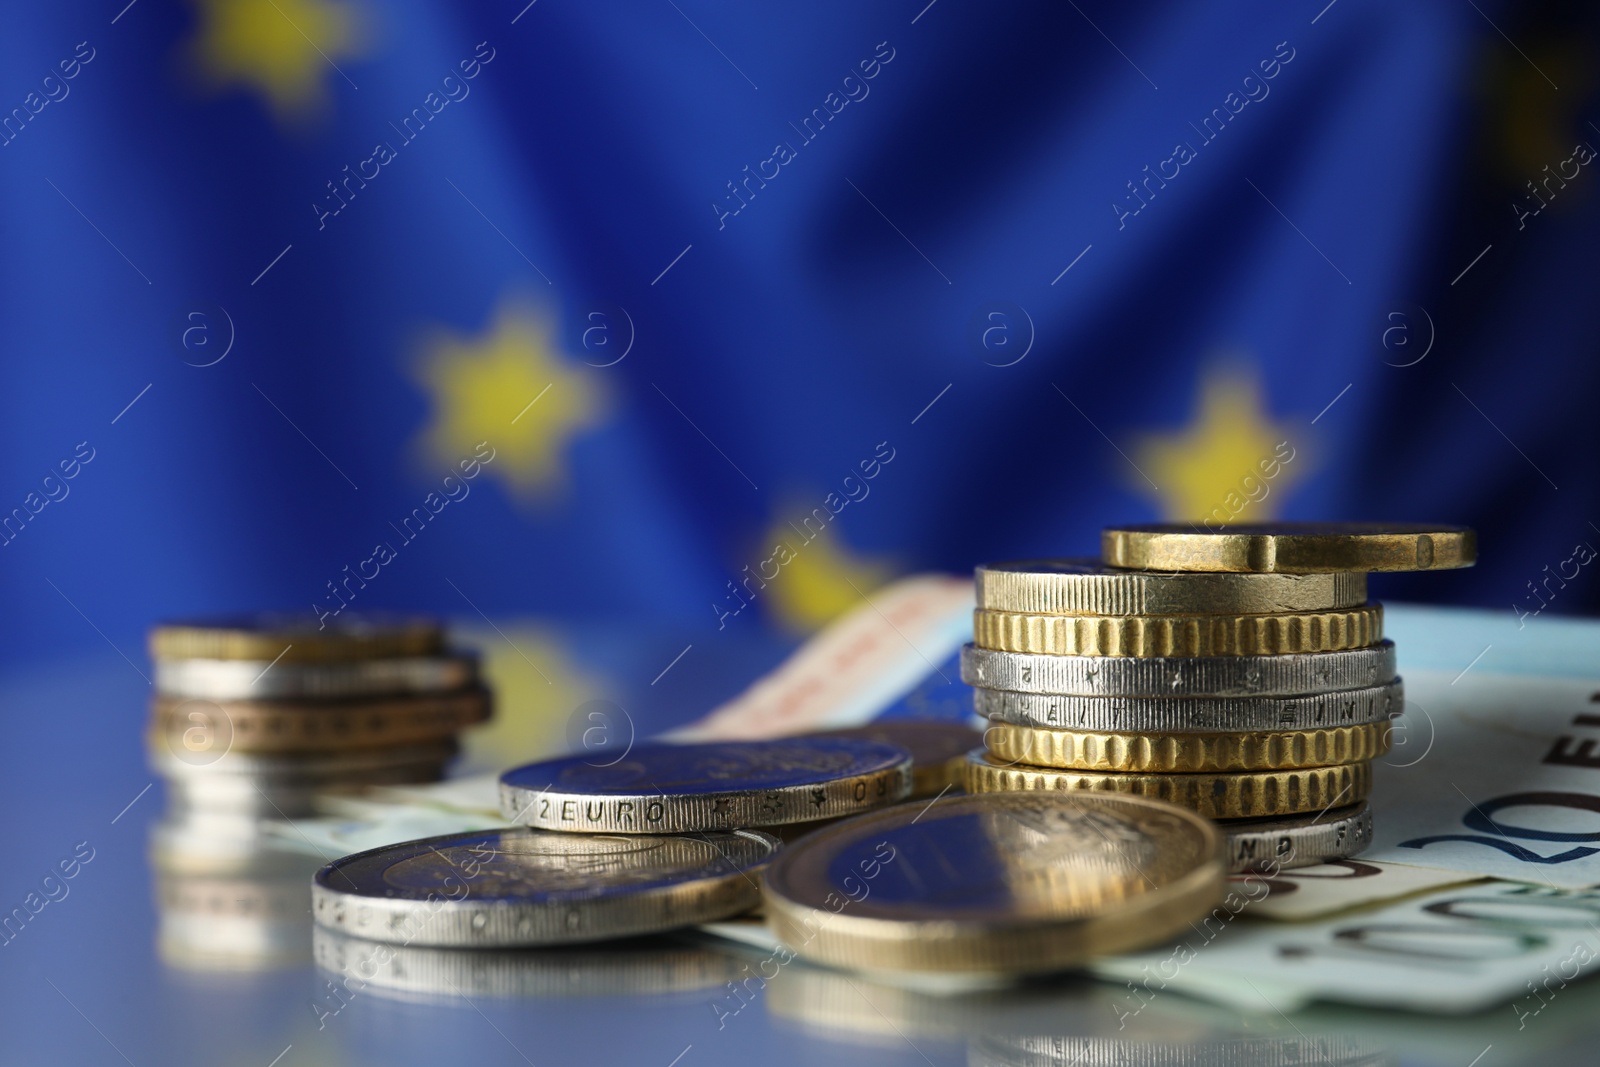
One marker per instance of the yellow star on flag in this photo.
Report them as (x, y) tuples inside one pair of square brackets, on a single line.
[(1232, 463), (508, 387), (283, 49), (821, 581), (539, 691)]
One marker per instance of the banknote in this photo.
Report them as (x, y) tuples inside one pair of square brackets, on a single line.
[(1455, 950), (1312, 892), (1499, 774)]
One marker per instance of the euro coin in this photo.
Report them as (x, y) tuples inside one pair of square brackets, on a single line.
[(717, 786), (1184, 753), (1179, 676), (1272, 845), (1234, 795), (1004, 883), (1089, 587), (287, 726), (248, 679), (1193, 714), (1178, 635), (520, 887), (283, 638), (1291, 547), (938, 749)]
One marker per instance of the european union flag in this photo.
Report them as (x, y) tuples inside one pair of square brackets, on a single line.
[(721, 318)]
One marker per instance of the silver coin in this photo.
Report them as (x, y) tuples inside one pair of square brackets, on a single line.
[(1282, 844), (638, 966), (1089, 587), (248, 679), (1291, 674), (1192, 715), (521, 887), (717, 786)]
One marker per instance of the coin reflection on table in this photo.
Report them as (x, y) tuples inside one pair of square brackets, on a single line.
[(226, 898), (856, 1009), (1222, 1050), (645, 965)]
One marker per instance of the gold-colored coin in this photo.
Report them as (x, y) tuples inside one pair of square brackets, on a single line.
[(1089, 587), (938, 749), (296, 638), (1003, 883), (1084, 750), (291, 726), (1178, 635), (1241, 795), (1290, 547)]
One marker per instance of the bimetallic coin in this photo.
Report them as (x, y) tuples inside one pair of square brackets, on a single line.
[(1193, 715), (1003, 883), (938, 749), (247, 679), (257, 726), (520, 887), (1238, 795), (1273, 845), (1214, 676), (1089, 587), (296, 638), (1291, 547), (660, 789), (1178, 635), (1186, 753)]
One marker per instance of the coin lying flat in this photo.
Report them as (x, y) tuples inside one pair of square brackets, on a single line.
[(1193, 715), (1291, 547), (677, 788), (1298, 841), (248, 679), (1089, 587), (938, 749), (288, 726), (1237, 795), (296, 638), (520, 887), (1178, 635), (1213, 676), (1186, 753), (1017, 883)]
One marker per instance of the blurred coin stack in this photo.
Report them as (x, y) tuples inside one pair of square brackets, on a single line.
[(258, 716), (1240, 673)]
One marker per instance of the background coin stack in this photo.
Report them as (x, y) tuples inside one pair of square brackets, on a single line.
[(258, 716), (1242, 674)]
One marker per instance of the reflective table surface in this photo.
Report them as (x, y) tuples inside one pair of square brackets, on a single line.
[(143, 958)]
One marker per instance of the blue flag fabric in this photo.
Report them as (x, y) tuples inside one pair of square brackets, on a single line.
[(726, 316)]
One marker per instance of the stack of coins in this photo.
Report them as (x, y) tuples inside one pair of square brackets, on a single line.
[(1240, 673), (258, 716)]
